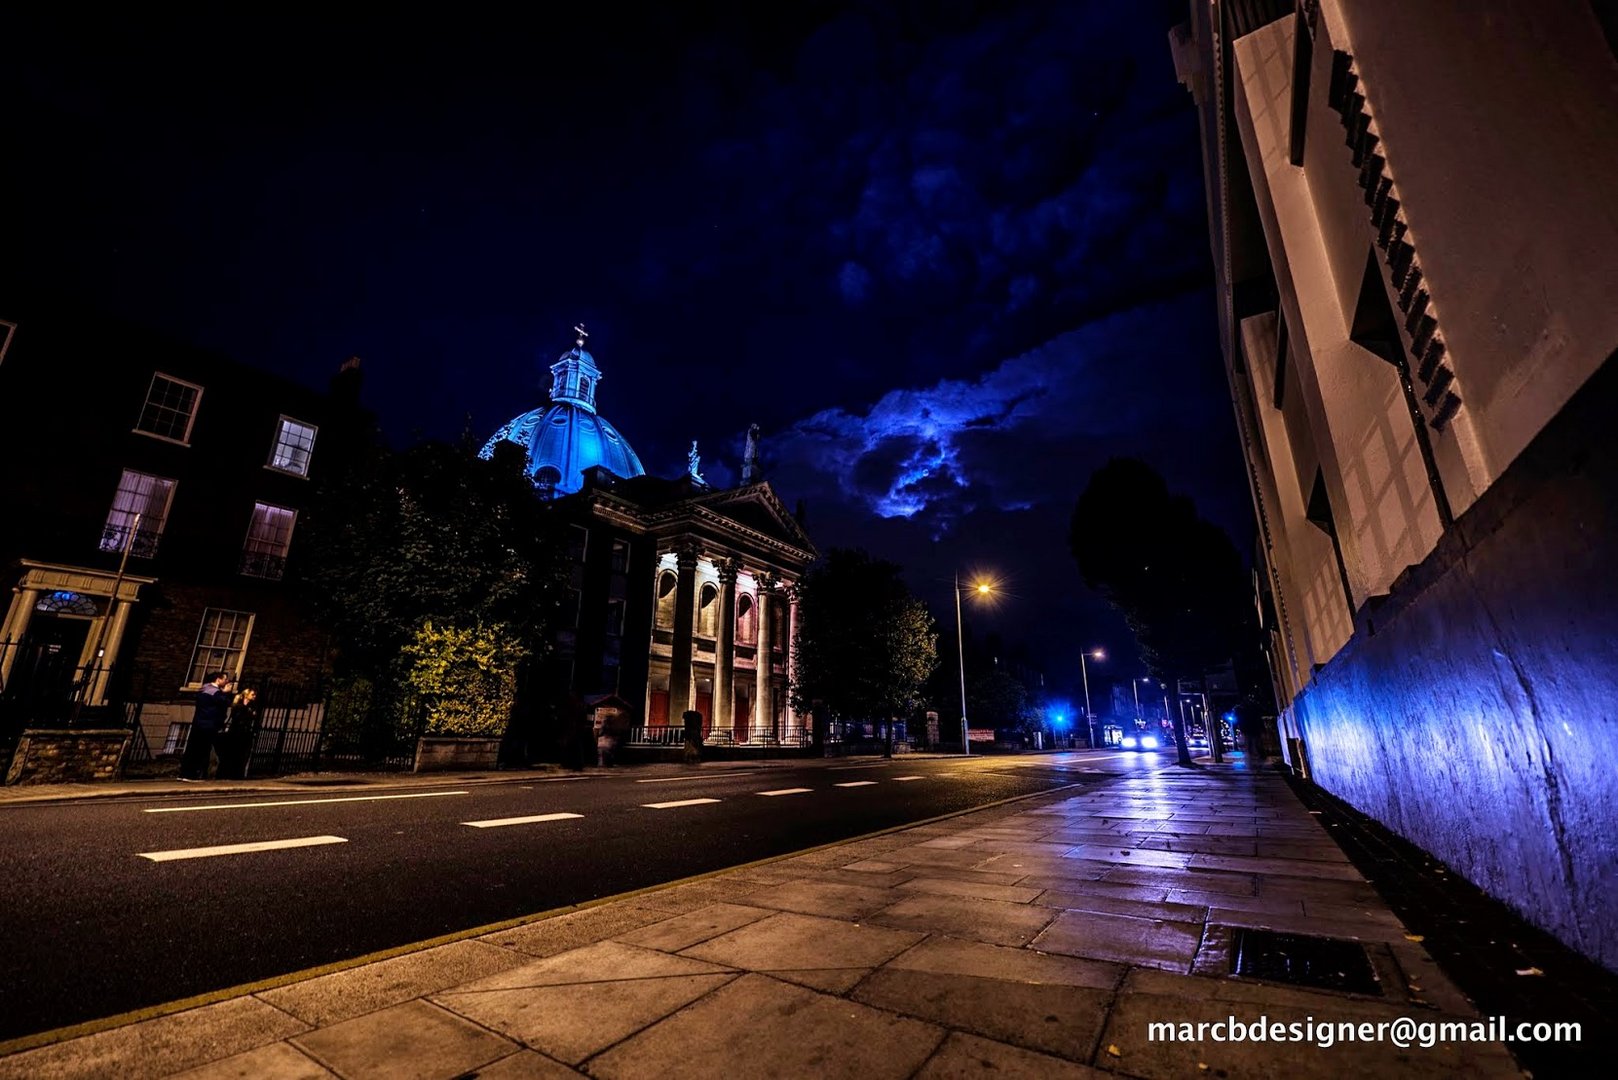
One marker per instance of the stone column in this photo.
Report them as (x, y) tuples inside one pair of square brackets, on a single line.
[(792, 652), (685, 602), (763, 698), (17, 619), (724, 648), (102, 668)]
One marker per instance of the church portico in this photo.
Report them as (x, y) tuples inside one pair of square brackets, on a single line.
[(717, 614)]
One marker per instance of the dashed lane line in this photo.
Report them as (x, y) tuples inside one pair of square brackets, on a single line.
[(902, 779), (677, 779), (680, 802), (785, 791), (855, 783), (241, 849), (299, 802), (495, 823)]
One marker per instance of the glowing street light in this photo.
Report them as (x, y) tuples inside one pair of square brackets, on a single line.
[(1089, 715), (982, 588)]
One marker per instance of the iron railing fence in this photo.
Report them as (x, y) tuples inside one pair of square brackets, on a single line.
[(674, 735), (285, 730), (48, 688)]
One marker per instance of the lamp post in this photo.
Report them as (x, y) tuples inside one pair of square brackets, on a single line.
[(96, 670), (1089, 716), (960, 658)]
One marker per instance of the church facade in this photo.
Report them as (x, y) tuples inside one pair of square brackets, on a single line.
[(682, 596)]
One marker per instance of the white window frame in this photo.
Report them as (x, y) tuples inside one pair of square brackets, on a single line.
[(190, 421), (248, 539), (197, 646), (157, 533), (275, 444)]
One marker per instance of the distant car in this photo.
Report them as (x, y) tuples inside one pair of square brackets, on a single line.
[(1140, 741)]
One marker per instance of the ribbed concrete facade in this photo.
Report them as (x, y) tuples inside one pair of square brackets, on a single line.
[(1417, 252)]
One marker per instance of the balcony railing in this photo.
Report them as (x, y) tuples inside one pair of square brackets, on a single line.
[(142, 546), (263, 564)]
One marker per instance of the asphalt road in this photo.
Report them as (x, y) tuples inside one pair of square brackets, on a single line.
[(101, 915)]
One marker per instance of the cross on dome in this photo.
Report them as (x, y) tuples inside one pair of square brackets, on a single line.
[(582, 332)]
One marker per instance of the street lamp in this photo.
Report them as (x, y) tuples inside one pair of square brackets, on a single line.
[(1134, 688), (982, 589), (1089, 716)]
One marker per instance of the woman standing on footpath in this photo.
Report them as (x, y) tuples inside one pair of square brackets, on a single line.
[(236, 745)]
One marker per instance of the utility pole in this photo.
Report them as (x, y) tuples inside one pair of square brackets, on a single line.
[(87, 684)]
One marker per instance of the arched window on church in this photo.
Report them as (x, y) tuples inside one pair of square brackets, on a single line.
[(708, 611), (746, 621), (666, 583)]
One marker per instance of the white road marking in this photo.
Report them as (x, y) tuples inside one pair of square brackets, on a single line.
[(676, 779), (240, 849), (672, 805), (903, 778), (856, 783), (298, 802), (497, 822), (785, 791)]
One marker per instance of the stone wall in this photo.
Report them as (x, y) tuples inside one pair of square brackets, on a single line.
[(436, 754), (54, 757), (1475, 710)]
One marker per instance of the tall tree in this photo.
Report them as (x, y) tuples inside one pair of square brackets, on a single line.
[(866, 645), (432, 533), (998, 699), (1175, 577)]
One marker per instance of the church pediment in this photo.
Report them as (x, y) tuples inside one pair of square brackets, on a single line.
[(757, 507)]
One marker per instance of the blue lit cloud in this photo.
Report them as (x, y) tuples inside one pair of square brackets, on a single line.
[(1023, 433)]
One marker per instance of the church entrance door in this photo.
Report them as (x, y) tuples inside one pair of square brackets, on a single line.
[(704, 706), (742, 716)]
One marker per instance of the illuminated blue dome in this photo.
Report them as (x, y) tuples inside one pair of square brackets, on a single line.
[(566, 437)]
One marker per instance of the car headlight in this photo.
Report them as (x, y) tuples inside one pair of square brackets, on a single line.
[(1129, 742), (1150, 742)]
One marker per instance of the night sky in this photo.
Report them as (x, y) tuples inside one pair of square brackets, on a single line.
[(949, 257)]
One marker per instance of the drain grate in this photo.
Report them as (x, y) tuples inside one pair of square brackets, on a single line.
[(1302, 960)]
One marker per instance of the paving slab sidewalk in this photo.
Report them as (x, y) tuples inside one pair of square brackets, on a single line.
[(1038, 938)]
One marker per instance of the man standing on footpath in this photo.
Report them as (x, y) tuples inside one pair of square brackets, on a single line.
[(213, 703)]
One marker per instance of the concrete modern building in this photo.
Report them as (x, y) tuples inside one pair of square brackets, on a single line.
[(681, 594), (1416, 243)]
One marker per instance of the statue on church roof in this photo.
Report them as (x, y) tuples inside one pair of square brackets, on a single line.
[(694, 463), (750, 456)]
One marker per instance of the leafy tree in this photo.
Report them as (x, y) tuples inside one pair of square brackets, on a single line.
[(999, 700), (865, 645), (1174, 576), (432, 534), (462, 680)]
